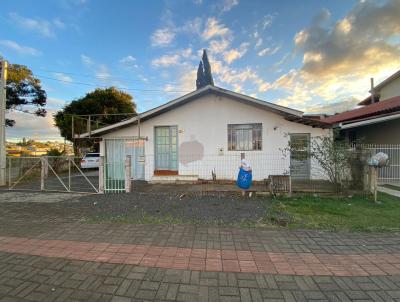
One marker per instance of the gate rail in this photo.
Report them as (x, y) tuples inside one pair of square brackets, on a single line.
[(60, 166)]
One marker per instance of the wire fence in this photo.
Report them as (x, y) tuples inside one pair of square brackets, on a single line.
[(63, 173)]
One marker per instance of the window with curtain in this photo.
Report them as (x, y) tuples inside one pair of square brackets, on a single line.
[(244, 137)]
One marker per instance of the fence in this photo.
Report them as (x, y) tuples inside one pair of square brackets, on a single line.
[(64, 173), (210, 170), (50, 173), (391, 173)]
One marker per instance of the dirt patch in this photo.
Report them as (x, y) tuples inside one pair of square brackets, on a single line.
[(181, 207)]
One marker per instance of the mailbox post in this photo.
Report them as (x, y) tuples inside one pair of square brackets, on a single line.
[(377, 161)]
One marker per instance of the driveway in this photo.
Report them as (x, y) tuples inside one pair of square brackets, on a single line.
[(49, 251)]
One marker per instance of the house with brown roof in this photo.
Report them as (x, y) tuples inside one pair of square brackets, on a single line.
[(377, 121)]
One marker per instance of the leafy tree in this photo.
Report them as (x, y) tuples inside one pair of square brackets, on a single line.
[(107, 102), (23, 89), (204, 76), (334, 158), (55, 152)]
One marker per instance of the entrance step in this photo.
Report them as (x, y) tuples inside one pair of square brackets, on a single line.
[(169, 179)]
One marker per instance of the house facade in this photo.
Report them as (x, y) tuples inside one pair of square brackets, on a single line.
[(377, 121), (202, 135)]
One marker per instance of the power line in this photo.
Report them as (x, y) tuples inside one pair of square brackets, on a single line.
[(105, 86), (101, 77)]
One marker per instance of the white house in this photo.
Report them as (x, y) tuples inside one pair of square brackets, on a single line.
[(201, 135)]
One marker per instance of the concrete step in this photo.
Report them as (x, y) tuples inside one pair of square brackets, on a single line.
[(167, 179)]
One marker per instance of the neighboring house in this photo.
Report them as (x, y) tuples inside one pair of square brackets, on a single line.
[(203, 133), (378, 120)]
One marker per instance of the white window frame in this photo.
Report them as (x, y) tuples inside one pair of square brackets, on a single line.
[(237, 132)]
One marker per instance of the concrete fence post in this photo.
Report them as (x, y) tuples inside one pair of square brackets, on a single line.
[(101, 174), (128, 182), (42, 172), (46, 167)]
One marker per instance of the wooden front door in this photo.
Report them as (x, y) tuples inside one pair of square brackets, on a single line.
[(166, 150)]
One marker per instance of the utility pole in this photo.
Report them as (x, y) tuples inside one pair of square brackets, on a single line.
[(3, 80)]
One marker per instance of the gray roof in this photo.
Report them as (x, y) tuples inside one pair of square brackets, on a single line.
[(288, 113)]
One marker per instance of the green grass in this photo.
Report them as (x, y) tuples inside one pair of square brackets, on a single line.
[(355, 213)]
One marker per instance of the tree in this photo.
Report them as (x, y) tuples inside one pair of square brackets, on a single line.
[(204, 76), (107, 102), (23, 89), (200, 76), (208, 78), (332, 158), (335, 158)]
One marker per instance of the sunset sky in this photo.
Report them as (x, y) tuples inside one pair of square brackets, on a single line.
[(312, 55)]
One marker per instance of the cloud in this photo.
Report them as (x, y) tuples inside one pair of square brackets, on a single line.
[(40, 26), (166, 61), (227, 5), (353, 45), (73, 4), (214, 29), (128, 59), (258, 43), (22, 50), (267, 21), (269, 51), (86, 60), (31, 126), (237, 53), (183, 63), (54, 103), (339, 57), (335, 107), (129, 62), (101, 72), (63, 77), (174, 59), (219, 46), (162, 37), (59, 24)]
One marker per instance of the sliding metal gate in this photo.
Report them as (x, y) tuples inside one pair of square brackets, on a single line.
[(116, 151)]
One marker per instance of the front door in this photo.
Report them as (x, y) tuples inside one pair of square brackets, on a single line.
[(166, 150), (300, 156)]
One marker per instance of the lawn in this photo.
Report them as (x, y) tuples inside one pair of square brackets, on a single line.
[(356, 213)]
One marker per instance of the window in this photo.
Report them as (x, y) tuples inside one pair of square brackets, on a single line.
[(244, 137)]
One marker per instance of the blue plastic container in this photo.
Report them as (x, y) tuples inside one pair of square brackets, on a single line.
[(244, 179)]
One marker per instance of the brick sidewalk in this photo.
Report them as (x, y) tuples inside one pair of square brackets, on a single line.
[(209, 259), (33, 278)]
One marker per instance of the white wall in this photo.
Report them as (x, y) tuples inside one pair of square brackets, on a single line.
[(203, 126), (390, 90)]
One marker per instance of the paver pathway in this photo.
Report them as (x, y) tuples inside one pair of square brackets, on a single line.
[(216, 260), (55, 256)]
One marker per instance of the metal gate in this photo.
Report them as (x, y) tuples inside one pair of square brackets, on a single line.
[(391, 173), (116, 151), (300, 164), (50, 173)]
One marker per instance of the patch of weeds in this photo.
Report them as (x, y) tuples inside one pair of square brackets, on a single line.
[(277, 214)]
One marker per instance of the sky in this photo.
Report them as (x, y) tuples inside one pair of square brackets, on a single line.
[(312, 55)]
